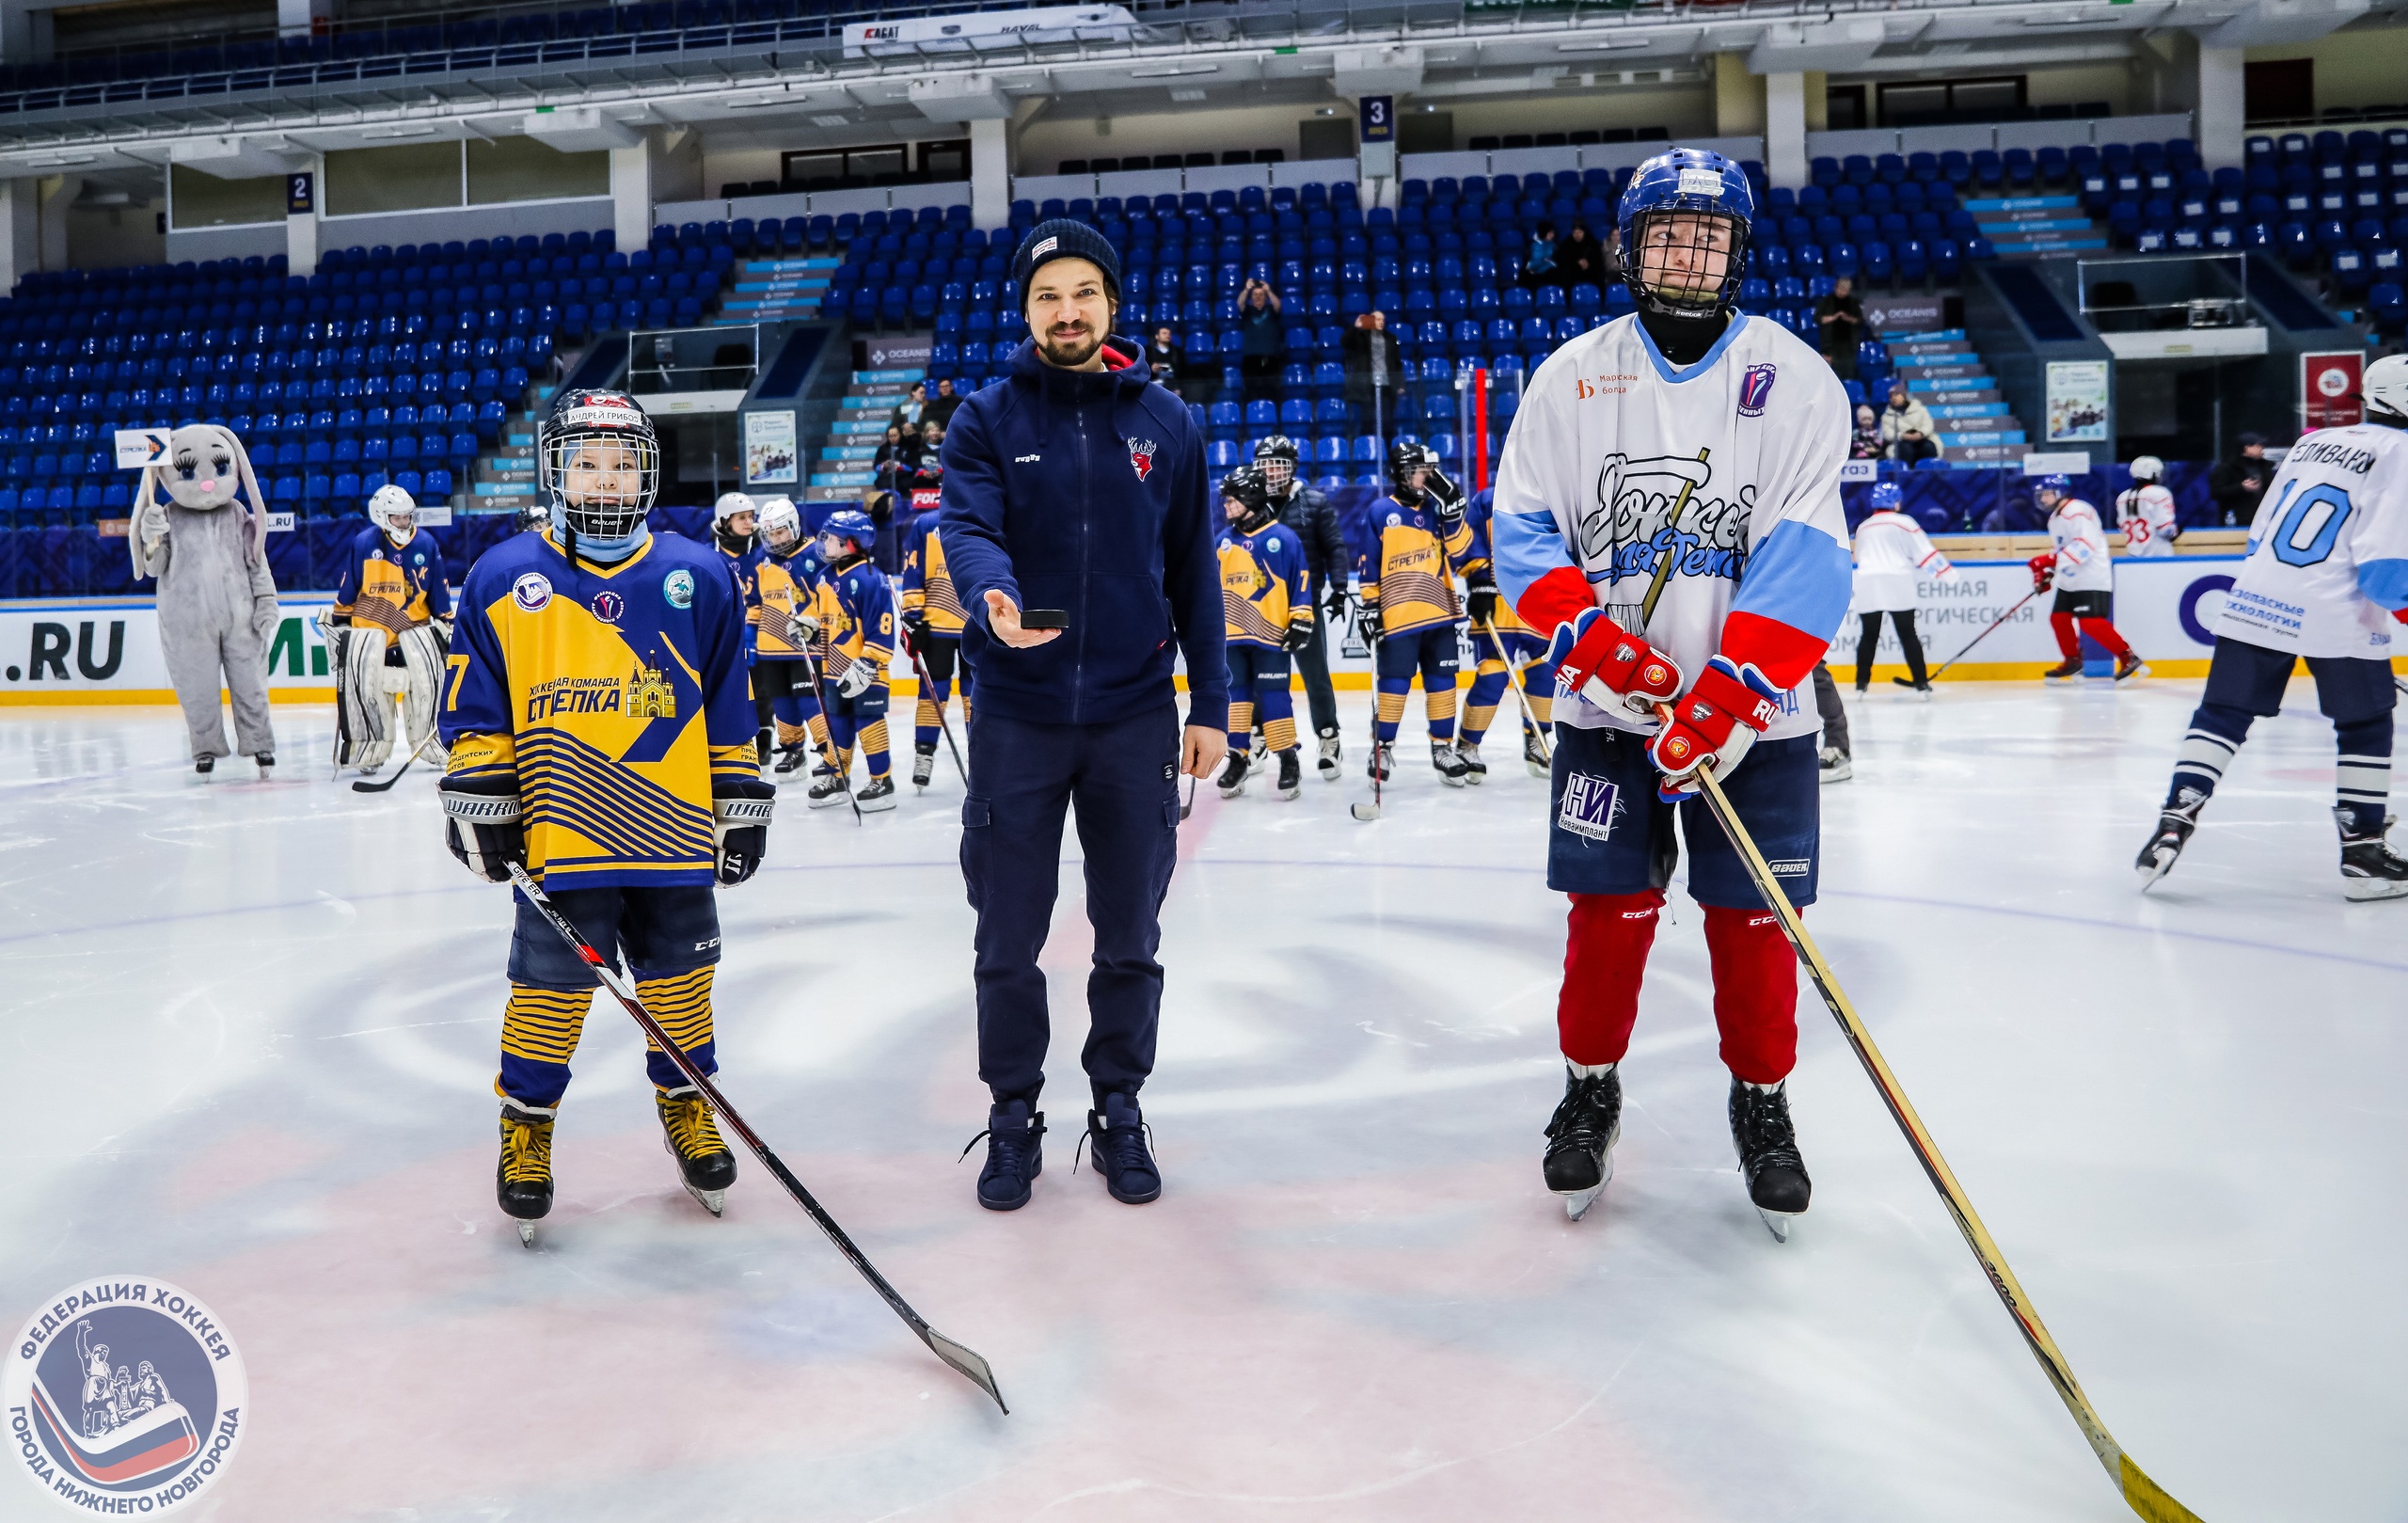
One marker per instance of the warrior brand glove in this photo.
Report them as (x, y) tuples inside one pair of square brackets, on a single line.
[(1300, 632), (1714, 723), (2044, 571), (1608, 666), (482, 826), (856, 680), (740, 825), (1483, 605)]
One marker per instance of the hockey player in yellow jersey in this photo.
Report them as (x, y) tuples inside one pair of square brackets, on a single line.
[(855, 609), (1500, 640), (1406, 552), (785, 584), (601, 733), (1266, 598), (736, 522), (391, 622), (932, 621)]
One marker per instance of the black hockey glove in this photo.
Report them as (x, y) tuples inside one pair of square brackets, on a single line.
[(740, 825), (1369, 622), (481, 825), (1300, 633), (1483, 606), (1336, 602)]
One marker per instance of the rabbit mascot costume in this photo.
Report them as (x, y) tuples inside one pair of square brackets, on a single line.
[(207, 544)]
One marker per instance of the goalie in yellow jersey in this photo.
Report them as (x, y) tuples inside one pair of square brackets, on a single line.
[(601, 731), (391, 627)]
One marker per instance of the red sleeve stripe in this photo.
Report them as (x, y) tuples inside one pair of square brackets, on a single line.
[(1786, 656), (1555, 598)]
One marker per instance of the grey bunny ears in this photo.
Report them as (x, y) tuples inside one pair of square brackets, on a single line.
[(206, 467)]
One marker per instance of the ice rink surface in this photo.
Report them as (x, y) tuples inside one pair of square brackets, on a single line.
[(250, 1036)]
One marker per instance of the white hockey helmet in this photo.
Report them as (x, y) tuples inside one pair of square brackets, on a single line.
[(728, 506), (780, 523), (2384, 387), (395, 512), (2148, 467)]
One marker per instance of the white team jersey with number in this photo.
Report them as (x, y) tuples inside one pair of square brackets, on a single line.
[(2145, 513), (2328, 551), (1892, 553), (2080, 541), (1733, 463)]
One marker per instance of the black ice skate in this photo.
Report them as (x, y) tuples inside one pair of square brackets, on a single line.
[(2064, 670), (1292, 775), (1534, 755), (2129, 666), (1330, 757), (2369, 868), (1768, 1149), (879, 795), (204, 765), (2174, 828), (1835, 765), (790, 759), (690, 1133), (1580, 1139), (1382, 763), (924, 765), (1475, 770), (764, 741), (522, 1182), (1117, 1144), (827, 790), (267, 763), (1451, 766), (1232, 779)]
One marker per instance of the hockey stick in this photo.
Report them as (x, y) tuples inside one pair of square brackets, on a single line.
[(1369, 811), (926, 684), (1934, 676), (1187, 806), (830, 755), (363, 786), (1513, 675), (962, 1359), (2145, 1496), (1664, 567)]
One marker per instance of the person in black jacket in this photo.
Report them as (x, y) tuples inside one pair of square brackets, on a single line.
[(2235, 485), (1078, 488), (1306, 510), (1373, 372)]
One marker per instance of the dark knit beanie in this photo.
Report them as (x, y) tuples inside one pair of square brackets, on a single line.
[(1061, 238)]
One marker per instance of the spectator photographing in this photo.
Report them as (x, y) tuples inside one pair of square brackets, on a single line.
[(1266, 342)]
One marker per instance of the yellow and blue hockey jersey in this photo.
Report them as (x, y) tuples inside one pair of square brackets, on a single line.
[(783, 587), (393, 587), (927, 586), (1480, 523), (746, 568), (1403, 560), (1264, 584), (613, 695), (856, 612)]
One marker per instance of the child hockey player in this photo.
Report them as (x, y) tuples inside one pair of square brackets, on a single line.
[(1501, 640), (1308, 511), (601, 735), (1679, 531), (1266, 598), (392, 624), (932, 621), (2145, 512), (1407, 548), (734, 521), (2078, 568), (855, 610), (2326, 578), (1892, 552), (786, 582)]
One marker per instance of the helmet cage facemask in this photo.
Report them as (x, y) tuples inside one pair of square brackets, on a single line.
[(602, 517), (1694, 302)]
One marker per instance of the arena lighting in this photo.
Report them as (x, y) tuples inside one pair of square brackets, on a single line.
[(1173, 73), (1598, 47)]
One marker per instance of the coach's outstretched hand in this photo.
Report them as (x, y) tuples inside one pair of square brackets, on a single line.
[(1003, 621)]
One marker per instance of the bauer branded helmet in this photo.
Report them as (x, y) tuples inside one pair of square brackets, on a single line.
[(2385, 389), (1277, 458), (2148, 467), (1702, 186), (1246, 487), (2062, 486), (395, 512), (598, 462), (1404, 459), (850, 527), (781, 524), (1885, 496)]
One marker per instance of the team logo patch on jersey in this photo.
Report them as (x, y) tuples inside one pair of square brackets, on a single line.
[(649, 695), (608, 606), (1755, 387), (678, 588), (1588, 806), (125, 1396), (1141, 457), (532, 592)]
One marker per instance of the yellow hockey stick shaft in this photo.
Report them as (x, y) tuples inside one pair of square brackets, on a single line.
[(1664, 567)]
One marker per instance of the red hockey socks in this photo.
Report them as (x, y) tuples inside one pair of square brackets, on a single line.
[(2067, 647), (2103, 632), (1604, 956), (1755, 992)]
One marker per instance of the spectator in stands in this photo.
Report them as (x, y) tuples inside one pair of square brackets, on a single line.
[(2235, 485), (1907, 426), (1371, 371), (898, 459), (1266, 341), (915, 402), (1582, 260), (1538, 268), (1162, 354), (939, 412), (1840, 318), (1868, 444)]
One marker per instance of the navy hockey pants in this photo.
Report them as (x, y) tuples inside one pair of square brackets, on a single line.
[(2245, 682), (1123, 778)]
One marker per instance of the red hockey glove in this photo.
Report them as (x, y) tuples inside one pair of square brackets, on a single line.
[(1610, 667), (1714, 723), (2044, 570)]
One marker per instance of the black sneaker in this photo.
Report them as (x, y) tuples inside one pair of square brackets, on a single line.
[(1116, 1135), (1015, 1155)]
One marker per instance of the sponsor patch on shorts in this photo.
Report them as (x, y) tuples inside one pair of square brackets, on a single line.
[(1588, 807), (1790, 868)]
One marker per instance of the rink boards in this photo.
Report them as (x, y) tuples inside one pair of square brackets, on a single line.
[(106, 650)]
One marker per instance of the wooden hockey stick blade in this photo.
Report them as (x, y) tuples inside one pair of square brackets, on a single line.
[(2143, 1495)]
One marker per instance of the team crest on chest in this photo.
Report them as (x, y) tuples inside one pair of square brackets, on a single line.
[(1755, 387), (608, 606), (649, 695), (1141, 457), (532, 592)]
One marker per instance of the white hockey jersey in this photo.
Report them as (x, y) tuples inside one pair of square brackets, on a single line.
[(2146, 514), (1730, 467), (1892, 553), (2080, 543), (2328, 551)]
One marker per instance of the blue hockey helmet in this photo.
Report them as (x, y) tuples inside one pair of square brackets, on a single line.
[(1699, 183), (2062, 486), (852, 524), (1885, 496)]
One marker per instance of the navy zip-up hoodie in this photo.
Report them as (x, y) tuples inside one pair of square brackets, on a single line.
[(1085, 491)]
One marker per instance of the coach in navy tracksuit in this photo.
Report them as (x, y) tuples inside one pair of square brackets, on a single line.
[(1078, 486)]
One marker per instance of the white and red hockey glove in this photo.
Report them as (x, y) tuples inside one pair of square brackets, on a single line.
[(1714, 723), (1601, 661), (2044, 571)]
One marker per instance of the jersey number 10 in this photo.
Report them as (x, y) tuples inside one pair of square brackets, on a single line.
[(2297, 515)]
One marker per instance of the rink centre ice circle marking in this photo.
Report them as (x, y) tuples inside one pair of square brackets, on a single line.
[(124, 1396)]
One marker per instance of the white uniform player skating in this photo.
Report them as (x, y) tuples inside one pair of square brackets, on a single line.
[(2145, 511), (2085, 576), (1892, 555)]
